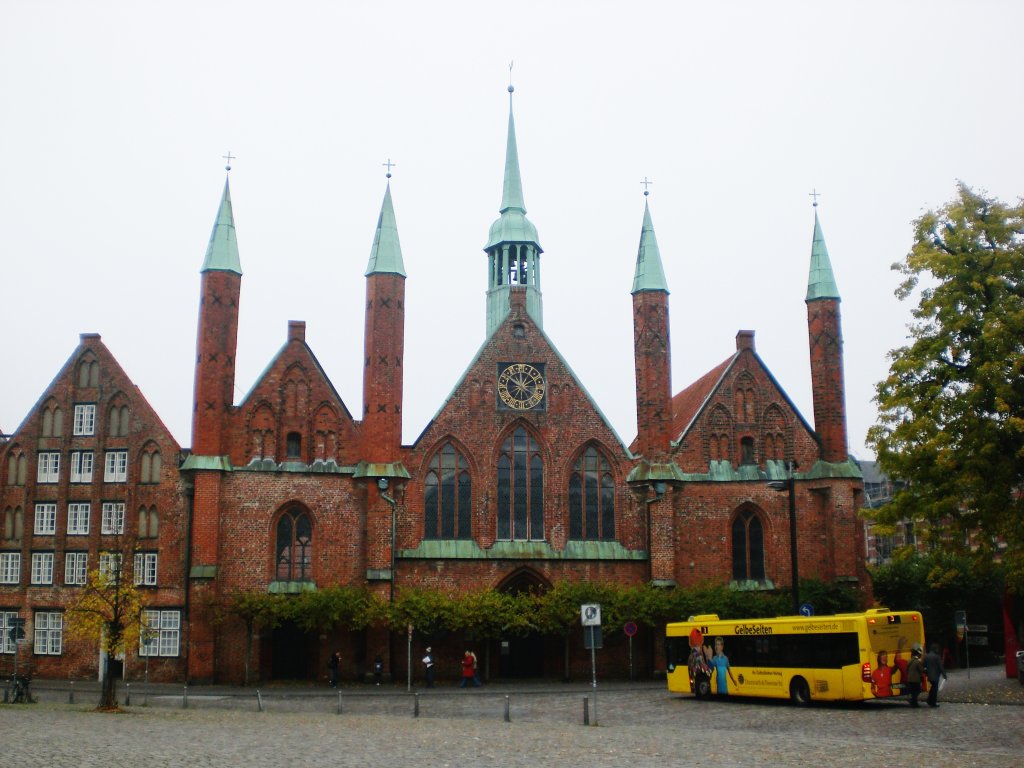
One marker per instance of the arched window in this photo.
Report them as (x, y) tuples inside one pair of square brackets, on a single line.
[(149, 523), (447, 496), (293, 446), (747, 451), (294, 550), (150, 465), (747, 547), (520, 506), (591, 498)]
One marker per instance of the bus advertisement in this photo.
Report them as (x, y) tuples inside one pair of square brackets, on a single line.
[(846, 657)]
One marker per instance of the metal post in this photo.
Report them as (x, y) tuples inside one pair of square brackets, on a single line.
[(792, 542), (184, 697), (508, 718), (71, 692), (339, 702), (127, 694), (416, 705), (259, 701), (593, 668), (586, 710)]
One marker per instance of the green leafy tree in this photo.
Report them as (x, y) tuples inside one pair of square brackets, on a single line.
[(951, 410), (256, 610)]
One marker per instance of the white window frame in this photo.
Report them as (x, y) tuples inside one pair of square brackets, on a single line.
[(76, 568), (112, 518), (161, 633), (42, 568), (10, 567), (45, 519), (85, 419), (7, 645), (145, 569), (79, 513), (115, 467), (81, 466), (107, 563), (48, 633), (48, 467)]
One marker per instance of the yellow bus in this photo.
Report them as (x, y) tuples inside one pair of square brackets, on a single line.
[(846, 657)]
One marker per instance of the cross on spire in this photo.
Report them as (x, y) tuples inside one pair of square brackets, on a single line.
[(646, 184), (389, 165), (815, 194), (229, 157)]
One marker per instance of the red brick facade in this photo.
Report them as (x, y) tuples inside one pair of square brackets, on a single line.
[(491, 494)]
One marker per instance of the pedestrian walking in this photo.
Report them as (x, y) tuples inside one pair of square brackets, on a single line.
[(934, 670), (915, 672), (468, 672), (428, 662), (333, 667)]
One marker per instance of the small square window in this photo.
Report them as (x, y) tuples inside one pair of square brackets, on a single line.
[(85, 420)]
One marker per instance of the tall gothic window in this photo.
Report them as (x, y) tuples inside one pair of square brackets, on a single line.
[(591, 498), (447, 497), (520, 506), (294, 546), (747, 547)]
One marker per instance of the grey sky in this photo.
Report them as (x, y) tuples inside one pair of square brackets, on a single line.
[(116, 115)]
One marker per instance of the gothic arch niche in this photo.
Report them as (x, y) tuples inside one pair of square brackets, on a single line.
[(325, 434), (88, 371), (150, 463), (118, 416), (262, 432), (775, 430), (295, 392), (519, 497), (522, 657), (591, 495), (719, 435), (448, 491), (748, 532), (746, 398), (51, 419)]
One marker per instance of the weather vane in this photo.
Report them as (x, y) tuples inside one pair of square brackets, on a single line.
[(646, 184), (389, 165), (815, 194), (229, 157)]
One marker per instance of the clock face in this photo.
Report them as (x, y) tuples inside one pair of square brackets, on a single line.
[(521, 386)]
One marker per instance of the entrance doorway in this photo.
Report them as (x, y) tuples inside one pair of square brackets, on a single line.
[(292, 654), (521, 657)]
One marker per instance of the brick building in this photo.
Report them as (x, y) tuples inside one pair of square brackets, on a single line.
[(517, 482)]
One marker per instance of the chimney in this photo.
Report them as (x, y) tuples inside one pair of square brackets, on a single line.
[(744, 340), (296, 330)]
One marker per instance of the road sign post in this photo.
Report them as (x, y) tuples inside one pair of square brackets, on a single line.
[(590, 618)]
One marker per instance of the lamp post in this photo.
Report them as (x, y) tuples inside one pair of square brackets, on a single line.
[(789, 485)]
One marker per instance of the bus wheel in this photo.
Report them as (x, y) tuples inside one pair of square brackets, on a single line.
[(702, 687), (799, 693)]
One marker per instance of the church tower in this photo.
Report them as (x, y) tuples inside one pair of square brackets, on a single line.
[(384, 341), (826, 346), (513, 252), (651, 349), (220, 291)]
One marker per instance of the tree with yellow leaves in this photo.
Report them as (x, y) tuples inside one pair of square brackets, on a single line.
[(108, 612)]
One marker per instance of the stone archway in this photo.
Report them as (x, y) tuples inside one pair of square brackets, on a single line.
[(523, 656)]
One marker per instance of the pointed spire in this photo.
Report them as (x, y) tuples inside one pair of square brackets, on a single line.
[(512, 226), (821, 283), (386, 252), (650, 275), (222, 252)]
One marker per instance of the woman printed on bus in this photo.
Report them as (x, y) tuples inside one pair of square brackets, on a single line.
[(721, 664), (881, 676)]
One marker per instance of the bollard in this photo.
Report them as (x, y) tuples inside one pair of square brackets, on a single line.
[(339, 702), (416, 705), (508, 717), (127, 694), (259, 701), (71, 692), (184, 697), (586, 710), (7, 695)]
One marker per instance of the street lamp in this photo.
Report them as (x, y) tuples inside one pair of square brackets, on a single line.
[(789, 485)]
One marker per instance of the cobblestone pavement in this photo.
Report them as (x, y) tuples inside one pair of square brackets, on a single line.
[(638, 725)]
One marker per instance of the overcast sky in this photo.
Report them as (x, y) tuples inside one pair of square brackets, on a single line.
[(115, 117)]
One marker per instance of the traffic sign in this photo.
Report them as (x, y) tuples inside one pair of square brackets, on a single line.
[(806, 609), (590, 614), (630, 628)]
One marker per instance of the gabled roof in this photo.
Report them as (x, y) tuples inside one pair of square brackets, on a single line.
[(690, 403), (316, 366)]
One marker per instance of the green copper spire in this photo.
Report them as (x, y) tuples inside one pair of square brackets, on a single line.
[(821, 283), (386, 252), (222, 252), (512, 226), (650, 275)]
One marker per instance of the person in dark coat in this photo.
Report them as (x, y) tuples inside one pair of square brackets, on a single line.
[(914, 674), (934, 670), (333, 666), (428, 662)]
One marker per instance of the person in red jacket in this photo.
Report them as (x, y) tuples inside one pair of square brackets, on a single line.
[(469, 670)]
